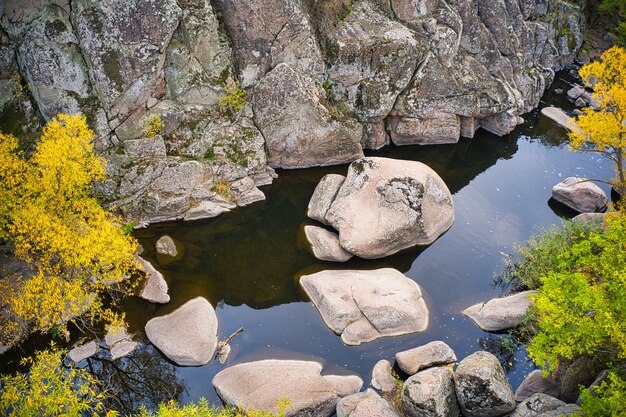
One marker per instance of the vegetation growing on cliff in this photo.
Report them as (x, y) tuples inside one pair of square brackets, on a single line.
[(73, 250), (604, 130)]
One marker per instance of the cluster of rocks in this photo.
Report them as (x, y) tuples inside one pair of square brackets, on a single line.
[(379, 208), (476, 388), (582, 97), (321, 84)]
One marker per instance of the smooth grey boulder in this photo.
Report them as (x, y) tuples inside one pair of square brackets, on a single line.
[(542, 405), (382, 378), (364, 305), (590, 218), (188, 335), (575, 92), (387, 205), (501, 313), (259, 385), (83, 352), (430, 393), (119, 342), (365, 404), (434, 353), (535, 383), (580, 195), (323, 196), (245, 192), (169, 251), (482, 388), (324, 245), (560, 117), (299, 130), (155, 288)]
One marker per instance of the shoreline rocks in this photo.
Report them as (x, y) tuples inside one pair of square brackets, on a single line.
[(260, 384), (501, 313), (580, 195), (434, 353)]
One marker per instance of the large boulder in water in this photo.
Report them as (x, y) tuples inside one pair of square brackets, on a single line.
[(580, 195), (260, 385), (188, 335), (482, 388), (364, 305), (387, 205), (501, 313)]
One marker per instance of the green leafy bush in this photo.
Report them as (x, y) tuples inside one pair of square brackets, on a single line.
[(235, 98), (608, 399), (203, 409)]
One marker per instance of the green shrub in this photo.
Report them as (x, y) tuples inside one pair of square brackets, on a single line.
[(235, 98), (608, 399), (543, 254), (153, 126), (203, 409)]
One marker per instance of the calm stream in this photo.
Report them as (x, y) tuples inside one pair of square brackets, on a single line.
[(247, 262)]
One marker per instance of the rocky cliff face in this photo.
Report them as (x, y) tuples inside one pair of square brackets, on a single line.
[(322, 81)]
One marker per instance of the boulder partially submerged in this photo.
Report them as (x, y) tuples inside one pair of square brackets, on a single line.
[(384, 206), (155, 288), (364, 305), (324, 244), (188, 335), (262, 384), (580, 195), (501, 313)]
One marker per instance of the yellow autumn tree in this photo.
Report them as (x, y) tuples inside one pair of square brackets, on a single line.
[(604, 130), (75, 250)]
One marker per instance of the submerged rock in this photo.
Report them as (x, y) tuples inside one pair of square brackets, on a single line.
[(169, 251), (120, 343), (155, 288), (364, 305), (188, 335), (365, 404), (387, 205), (580, 195), (430, 393), (434, 353), (560, 117), (501, 313), (260, 385), (324, 245), (482, 388), (83, 352)]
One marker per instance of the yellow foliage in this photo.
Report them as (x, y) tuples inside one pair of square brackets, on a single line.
[(49, 389), (605, 129), (153, 126), (76, 248)]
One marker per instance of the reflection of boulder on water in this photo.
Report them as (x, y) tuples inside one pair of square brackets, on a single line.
[(144, 378)]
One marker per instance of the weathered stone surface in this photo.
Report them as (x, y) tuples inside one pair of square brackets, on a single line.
[(365, 404), (119, 342), (580, 195), (309, 136), (430, 393), (535, 383), (188, 335), (575, 92), (542, 405), (590, 218), (364, 305), (482, 388), (83, 352), (434, 353), (382, 378), (501, 313), (387, 205), (323, 196), (310, 394), (155, 288), (324, 245)]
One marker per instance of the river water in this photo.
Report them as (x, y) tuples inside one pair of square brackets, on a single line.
[(247, 262)]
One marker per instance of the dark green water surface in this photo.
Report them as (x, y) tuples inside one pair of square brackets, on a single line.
[(247, 262)]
